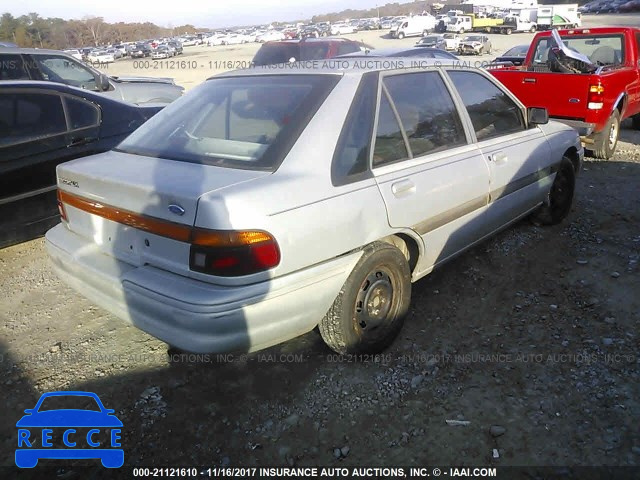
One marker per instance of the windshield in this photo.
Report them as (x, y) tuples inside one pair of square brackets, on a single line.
[(601, 49), (239, 122), (472, 38), (430, 39)]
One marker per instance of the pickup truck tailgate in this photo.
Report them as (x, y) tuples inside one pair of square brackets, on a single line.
[(563, 94)]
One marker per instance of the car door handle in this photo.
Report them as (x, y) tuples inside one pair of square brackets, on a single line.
[(77, 141), (498, 157), (403, 187)]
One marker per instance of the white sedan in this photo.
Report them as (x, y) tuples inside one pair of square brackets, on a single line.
[(271, 35), (342, 29), (101, 57), (259, 206)]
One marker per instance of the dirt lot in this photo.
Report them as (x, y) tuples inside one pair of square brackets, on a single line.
[(532, 338)]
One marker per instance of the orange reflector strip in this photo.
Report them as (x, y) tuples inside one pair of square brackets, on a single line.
[(165, 228)]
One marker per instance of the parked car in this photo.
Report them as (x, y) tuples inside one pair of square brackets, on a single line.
[(43, 124), (287, 51), (140, 51), (515, 55), (415, 51), (161, 52), (271, 35), (341, 28), (475, 45), (220, 250), (115, 52), (56, 66), (102, 56), (432, 41), (74, 52), (593, 92), (177, 46)]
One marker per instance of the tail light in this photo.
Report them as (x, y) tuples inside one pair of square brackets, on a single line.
[(232, 253), (226, 253), (63, 212), (596, 95)]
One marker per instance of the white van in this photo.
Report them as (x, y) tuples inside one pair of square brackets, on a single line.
[(414, 26)]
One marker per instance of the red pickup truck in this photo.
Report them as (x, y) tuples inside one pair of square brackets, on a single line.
[(593, 94)]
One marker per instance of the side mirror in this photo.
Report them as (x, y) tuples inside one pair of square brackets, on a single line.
[(538, 116), (102, 82)]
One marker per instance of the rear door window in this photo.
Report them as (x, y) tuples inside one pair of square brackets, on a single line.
[(429, 116), (81, 113), (30, 116)]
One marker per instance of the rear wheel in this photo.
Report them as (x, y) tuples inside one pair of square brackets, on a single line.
[(400, 36), (508, 31), (369, 311), (560, 199), (605, 142), (635, 122), (532, 29)]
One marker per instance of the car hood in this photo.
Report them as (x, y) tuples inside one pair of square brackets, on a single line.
[(69, 418), (168, 80)]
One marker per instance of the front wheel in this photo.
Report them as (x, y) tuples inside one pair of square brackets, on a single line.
[(532, 29), (369, 311), (560, 197), (508, 31), (635, 122), (605, 142), (400, 36)]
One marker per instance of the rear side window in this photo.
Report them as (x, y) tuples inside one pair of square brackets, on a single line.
[(351, 158), (491, 110), (239, 122), (428, 114), (30, 116), (12, 68)]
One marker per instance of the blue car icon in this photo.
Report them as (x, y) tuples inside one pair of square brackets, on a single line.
[(75, 427)]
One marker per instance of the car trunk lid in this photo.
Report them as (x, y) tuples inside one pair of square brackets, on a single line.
[(137, 208)]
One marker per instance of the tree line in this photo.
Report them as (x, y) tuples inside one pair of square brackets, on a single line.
[(32, 30)]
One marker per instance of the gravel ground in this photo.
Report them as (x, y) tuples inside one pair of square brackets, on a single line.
[(526, 346)]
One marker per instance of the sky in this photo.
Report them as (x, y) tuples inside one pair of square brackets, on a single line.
[(216, 13)]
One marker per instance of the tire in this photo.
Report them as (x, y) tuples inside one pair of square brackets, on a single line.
[(635, 122), (532, 29), (480, 52), (381, 280), (560, 196), (508, 31), (400, 35), (461, 31), (605, 142)]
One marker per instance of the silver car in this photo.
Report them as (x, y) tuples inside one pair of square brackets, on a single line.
[(266, 202)]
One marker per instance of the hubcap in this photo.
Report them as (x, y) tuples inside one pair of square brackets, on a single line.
[(374, 300)]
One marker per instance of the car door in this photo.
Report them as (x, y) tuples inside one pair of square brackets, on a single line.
[(432, 178), (517, 155), (39, 129), (12, 67)]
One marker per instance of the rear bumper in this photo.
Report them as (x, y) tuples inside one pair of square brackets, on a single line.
[(197, 316), (584, 129)]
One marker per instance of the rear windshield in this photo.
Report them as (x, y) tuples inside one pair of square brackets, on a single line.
[(239, 122), (273, 53), (601, 49)]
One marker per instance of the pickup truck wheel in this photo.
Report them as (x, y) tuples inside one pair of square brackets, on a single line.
[(605, 142), (369, 311), (635, 122), (558, 204), (508, 31)]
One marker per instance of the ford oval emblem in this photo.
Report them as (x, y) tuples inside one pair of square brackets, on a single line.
[(177, 209)]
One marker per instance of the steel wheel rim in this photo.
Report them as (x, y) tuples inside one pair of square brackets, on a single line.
[(374, 300), (613, 135)]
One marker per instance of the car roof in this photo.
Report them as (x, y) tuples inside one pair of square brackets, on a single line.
[(63, 88), (312, 40), (337, 66), (32, 51), (389, 52)]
